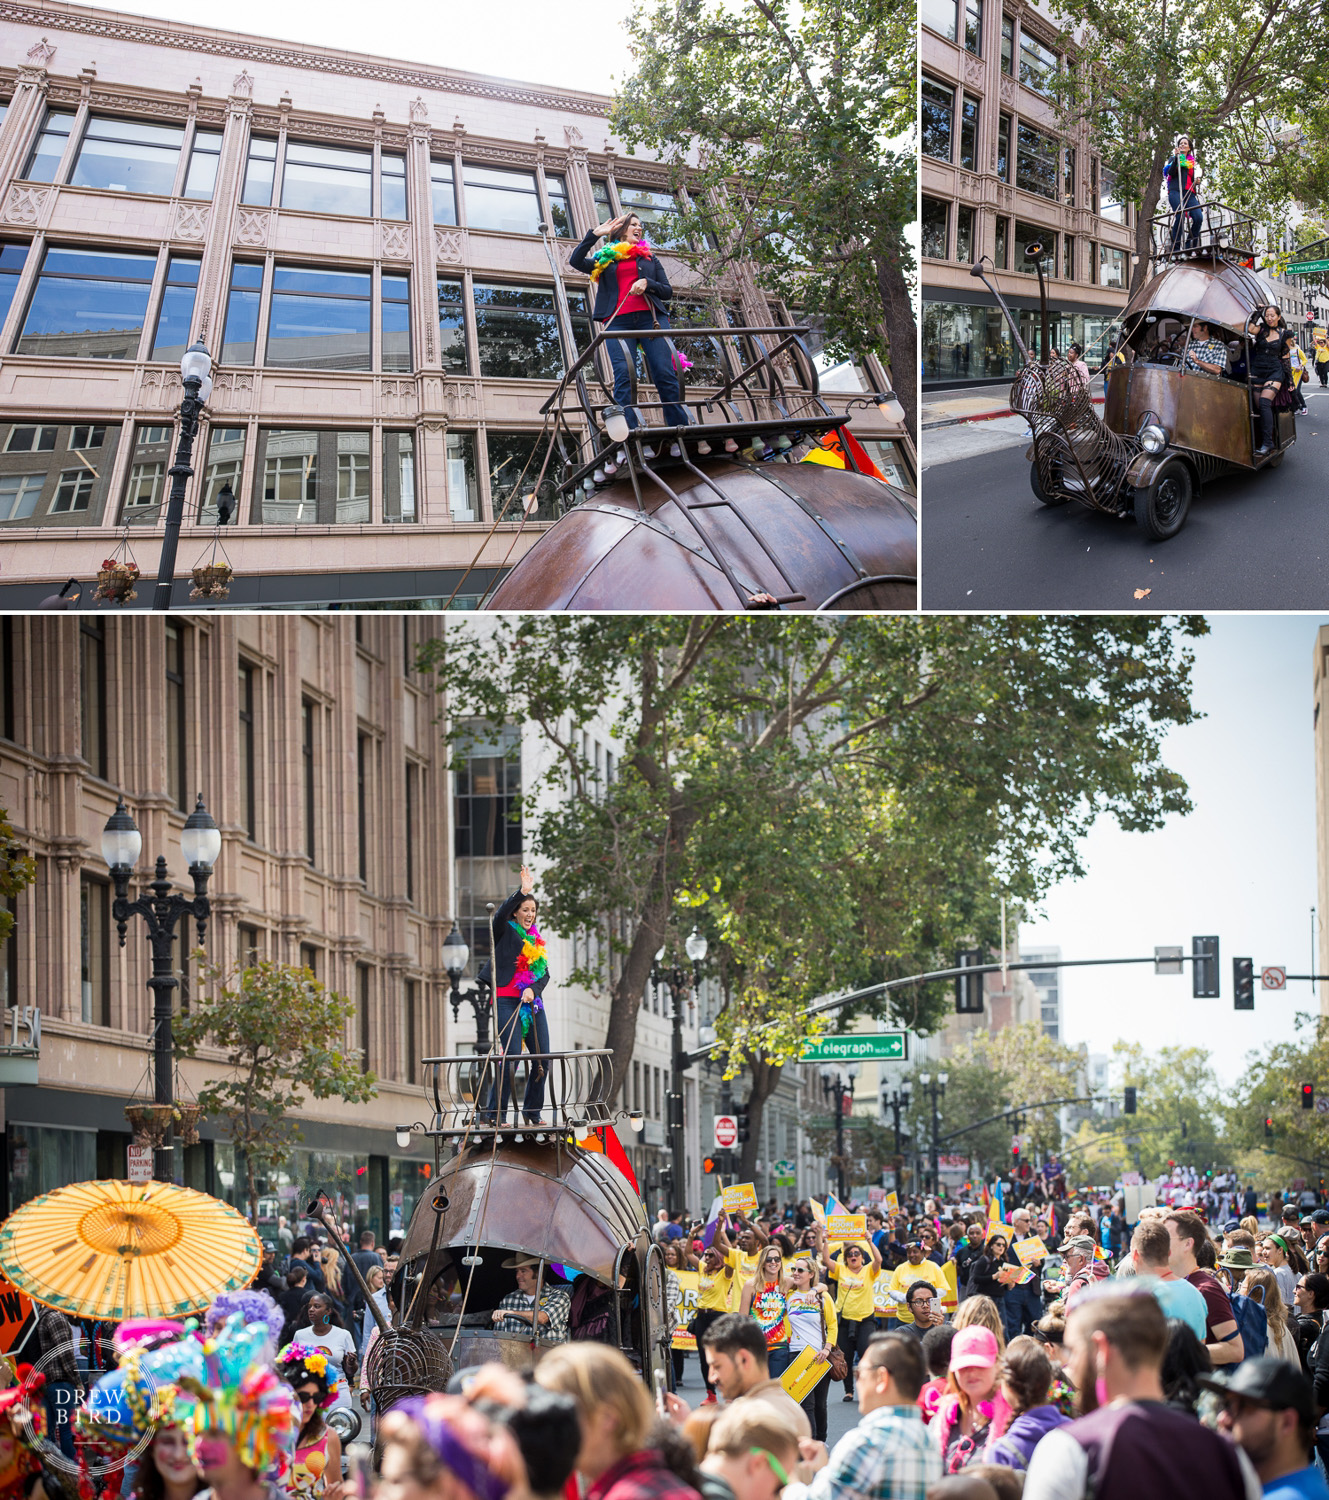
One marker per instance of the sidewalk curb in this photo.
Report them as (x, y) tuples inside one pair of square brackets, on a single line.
[(982, 416)]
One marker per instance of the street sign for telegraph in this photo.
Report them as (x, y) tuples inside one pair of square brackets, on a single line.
[(885, 1046), (1273, 977)]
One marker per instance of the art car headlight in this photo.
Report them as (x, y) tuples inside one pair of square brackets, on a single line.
[(1152, 438)]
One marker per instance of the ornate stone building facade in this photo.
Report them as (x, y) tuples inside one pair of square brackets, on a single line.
[(317, 752), (998, 174), (356, 242)]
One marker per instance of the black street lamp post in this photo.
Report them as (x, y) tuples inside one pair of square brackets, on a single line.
[(676, 980), (196, 372), (200, 843), (836, 1081), (455, 955), (935, 1089), (897, 1102)]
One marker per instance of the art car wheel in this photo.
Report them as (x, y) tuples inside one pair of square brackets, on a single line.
[(1039, 493), (1162, 506)]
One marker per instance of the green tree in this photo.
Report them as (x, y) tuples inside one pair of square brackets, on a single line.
[(793, 128), (1271, 1089), (837, 801), (989, 1073), (1147, 71), (284, 1035), (17, 872)]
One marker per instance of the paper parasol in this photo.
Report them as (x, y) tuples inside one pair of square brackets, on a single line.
[(128, 1250)]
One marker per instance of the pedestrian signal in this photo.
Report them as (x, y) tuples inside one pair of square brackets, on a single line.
[(1243, 984), (968, 987), (708, 1165)]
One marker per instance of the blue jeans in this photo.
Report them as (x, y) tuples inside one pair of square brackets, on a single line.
[(778, 1361), (623, 353), (62, 1401), (512, 1040), (1021, 1308), (1179, 215)]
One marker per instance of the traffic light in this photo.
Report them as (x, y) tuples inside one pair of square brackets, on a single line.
[(1204, 969), (741, 1114), (666, 1180), (1015, 1150), (1308, 1096), (1129, 1098), (1269, 1125), (968, 987), (708, 1165), (1183, 1130), (1243, 984)]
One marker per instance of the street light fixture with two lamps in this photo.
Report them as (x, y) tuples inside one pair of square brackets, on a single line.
[(196, 373), (456, 954), (200, 843)]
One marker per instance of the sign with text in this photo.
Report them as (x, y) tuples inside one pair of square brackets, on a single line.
[(892, 1203), (16, 1316), (888, 1046), (687, 1309), (139, 1163), (846, 1226), (740, 1198), (1029, 1252), (726, 1132)]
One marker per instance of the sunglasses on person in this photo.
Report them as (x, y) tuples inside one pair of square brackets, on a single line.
[(307, 1398)]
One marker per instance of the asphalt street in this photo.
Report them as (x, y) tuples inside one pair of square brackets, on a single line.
[(1250, 542)]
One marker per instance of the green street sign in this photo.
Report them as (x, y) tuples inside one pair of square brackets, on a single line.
[(888, 1046), (1305, 267)]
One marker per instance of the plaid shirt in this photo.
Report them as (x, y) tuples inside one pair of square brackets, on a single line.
[(1211, 351), (888, 1456), (553, 1300)]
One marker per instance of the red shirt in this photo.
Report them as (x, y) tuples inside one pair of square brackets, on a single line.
[(627, 274)]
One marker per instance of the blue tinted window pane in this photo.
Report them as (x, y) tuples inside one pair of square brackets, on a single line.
[(126, 167), (173, 323), (13, 257), (396, 336), (443, 191), (258, 183), (513, 296), (307, 279), (452, 327), (8, 285), (246, 275), (394, 187), (183, 270), (123, 265), (84, 317), (202, 177), (396, 287), (50, 147), (492, 208), (241, 332), (102, 128), (319, 333)]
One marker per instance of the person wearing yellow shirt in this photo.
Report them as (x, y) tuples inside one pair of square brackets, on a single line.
[(715, 1297), (853, 1269), (917, 1267)]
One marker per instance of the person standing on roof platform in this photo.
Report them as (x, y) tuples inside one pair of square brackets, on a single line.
[(632, 291), (1181, 172), (520, 974)]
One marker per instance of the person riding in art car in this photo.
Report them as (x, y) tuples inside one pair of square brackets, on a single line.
[(632, 291), (1181, 171), (520, 973)]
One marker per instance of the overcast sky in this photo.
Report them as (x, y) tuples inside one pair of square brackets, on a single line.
[(1242, 865), (534, 41)]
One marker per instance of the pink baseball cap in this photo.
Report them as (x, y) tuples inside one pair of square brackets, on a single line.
[(974, 1348)]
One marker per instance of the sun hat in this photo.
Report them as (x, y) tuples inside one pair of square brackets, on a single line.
[(1238, 1258), (974, 1348), (514, 1262)]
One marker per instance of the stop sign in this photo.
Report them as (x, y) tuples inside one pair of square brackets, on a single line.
[(726, 1132)]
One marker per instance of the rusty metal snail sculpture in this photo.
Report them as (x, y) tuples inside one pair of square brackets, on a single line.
[(717, 515), (1168, 426)]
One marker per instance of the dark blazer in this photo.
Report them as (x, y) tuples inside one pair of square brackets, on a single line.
[(658, 289), (507, 944)]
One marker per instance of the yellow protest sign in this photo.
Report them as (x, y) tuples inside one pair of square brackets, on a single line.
[(740, 1198), (892, 1204), (846, 1226), (881, 1302), (687, 1309), (1029, 1252), (805, 1373), (950, 1298)]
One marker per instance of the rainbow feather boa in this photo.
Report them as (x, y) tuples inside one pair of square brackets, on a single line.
[(531, 967), (608, 255)]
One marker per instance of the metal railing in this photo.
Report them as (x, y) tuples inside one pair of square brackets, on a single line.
[(465, 1092), (1201, 228)]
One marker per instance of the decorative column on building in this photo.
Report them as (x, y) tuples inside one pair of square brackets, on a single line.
[(25, 110)]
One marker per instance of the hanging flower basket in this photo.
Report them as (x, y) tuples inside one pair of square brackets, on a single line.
[(115, 581), (211, 581), (151, 1123), (187, 1117)]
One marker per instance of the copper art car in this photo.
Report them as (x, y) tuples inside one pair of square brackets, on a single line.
[(1166, 429), (499, 1190)]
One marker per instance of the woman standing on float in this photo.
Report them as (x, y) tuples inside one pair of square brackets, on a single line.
[(520, 973), (631, 291)]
